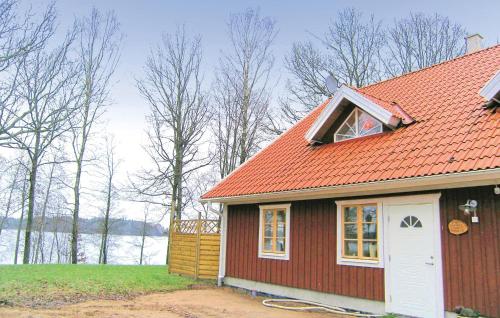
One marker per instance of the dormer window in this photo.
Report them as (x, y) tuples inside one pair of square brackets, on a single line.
[(370, 116), (358, 124)]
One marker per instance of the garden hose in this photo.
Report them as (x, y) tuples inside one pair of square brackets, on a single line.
[(274, 303)]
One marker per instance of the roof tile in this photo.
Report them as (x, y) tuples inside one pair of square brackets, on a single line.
[(451, 133)]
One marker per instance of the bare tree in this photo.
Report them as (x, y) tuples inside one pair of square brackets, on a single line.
[(41, 224), (23, 208), (354, 47), (200, 184), (52, 187), (110, 193), (144, 232), (225, 126), (47, 82), (98, 48), (306, 88), (241, 89), (18, 38), (14, 175), (248, 67), (420, 40), (352, 55), (359, 52), (179, 114)]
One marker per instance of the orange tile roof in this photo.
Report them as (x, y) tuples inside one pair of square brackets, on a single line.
[(452, 133), (393, 107)]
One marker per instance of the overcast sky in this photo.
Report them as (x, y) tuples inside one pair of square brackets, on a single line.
[(143, 22)]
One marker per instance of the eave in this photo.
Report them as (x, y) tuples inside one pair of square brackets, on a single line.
[(425, 183)]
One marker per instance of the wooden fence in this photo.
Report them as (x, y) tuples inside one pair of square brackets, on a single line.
[(194, 248)]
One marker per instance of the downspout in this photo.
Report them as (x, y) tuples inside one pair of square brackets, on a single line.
[(222, 251)]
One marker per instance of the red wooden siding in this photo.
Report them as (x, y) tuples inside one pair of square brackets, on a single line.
[(312, 263), (471, 262)]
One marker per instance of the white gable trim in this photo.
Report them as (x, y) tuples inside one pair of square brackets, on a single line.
[(492, 87), (357, 99)]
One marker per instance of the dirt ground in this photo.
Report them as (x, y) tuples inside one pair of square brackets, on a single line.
[(196, 303)]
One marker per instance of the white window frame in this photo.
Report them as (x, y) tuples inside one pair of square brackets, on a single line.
[(280, 256), (356, 112), (492, 87), (380, 232)]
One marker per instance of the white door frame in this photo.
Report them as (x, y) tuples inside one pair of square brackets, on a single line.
[(416, 199)]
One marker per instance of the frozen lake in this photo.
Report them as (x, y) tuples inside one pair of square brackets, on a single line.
[(123, 249)]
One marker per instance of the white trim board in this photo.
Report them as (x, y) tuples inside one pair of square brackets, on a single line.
[(426, 183), (286, 255), (361, 304), (380, 232), (223, 246), (492, 87), (318, 128), (366, 305)]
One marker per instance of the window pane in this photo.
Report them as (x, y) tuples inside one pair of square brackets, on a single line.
[(351, 231), (351, 248), (350, 214), (368, 125), (369, 214), (280, 245), (268, 216), (268, 230), (370, 249), (370, 231), (281, 216), (268, 244), (348, 129), (281, 229)]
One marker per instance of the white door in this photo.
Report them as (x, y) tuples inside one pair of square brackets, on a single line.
[(413, 279)]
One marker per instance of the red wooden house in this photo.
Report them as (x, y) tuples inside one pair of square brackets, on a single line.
[(382, 199)]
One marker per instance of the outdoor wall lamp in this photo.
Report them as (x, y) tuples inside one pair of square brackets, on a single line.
[(470, 207), (496, 189)]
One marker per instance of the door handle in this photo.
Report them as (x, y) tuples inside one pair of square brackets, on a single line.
[(429, 263)]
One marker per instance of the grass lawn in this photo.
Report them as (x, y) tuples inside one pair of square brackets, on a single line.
[(40, 285)]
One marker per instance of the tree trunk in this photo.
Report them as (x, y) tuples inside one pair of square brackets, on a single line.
[(52, 247), (58, 248), (105, 230), (100, 250), (76, 212), (244, 117), (143, 239), (41, 229), (31, 201), (20, 225)]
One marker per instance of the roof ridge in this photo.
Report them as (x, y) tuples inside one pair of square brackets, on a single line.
[(431, 66)]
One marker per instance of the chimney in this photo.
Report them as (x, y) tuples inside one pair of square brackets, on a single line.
[(473, 43)]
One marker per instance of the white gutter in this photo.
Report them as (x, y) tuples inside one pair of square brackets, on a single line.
[(436, 182)]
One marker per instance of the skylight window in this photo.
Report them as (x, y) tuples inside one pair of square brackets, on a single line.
[(358, 124)]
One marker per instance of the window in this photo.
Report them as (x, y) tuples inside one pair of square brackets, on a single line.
[(359, 233), (411, 221), (357, 124), (274, 231)]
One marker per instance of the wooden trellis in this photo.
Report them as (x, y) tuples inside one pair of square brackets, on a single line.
[(194, 248)]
